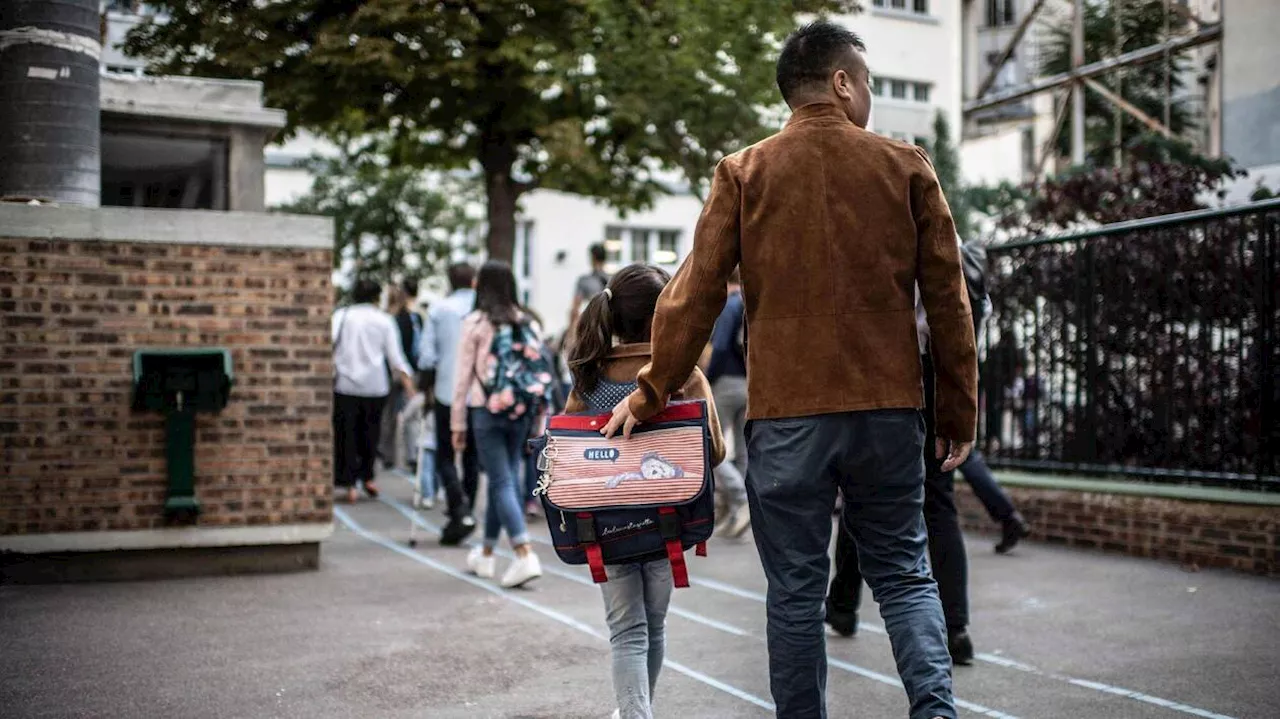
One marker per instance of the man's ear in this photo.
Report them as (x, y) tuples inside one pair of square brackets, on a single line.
[(840, 82)]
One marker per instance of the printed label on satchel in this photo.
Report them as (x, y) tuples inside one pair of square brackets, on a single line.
[(601, 454)]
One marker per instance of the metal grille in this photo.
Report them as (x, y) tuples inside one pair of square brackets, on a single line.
[(1145, 348)]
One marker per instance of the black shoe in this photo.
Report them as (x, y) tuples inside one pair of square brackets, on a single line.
[(845, 623), (1015, 529), (960, 646), (457, 530)]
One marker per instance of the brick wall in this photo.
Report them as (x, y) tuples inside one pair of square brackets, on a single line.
[(1200, 533), (75, 456)]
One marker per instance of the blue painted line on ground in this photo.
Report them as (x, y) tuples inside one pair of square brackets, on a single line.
[(547, 612)]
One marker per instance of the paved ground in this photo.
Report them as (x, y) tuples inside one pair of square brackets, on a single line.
[(384, 631)]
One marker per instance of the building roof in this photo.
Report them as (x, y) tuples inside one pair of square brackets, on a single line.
[(232, 102)]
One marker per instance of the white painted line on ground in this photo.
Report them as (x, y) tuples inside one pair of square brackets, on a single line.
[(715, 624), (576, 578), (341, 515), (754, 596), (1104, 688)]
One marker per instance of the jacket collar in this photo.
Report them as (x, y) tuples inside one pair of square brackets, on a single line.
[(817, 111), (639, 349)]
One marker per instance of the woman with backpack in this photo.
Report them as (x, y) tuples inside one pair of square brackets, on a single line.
[(636, 594), (502, 384)]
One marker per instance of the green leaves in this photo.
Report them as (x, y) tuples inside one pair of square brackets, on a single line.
[(388, 221), (598, 97)]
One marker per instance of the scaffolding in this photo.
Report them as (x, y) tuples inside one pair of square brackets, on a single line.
[(1081, 77)]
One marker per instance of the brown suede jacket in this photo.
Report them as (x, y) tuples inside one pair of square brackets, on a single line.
[(833, 227), (625, 361)]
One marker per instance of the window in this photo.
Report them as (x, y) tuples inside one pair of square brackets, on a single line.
[(1008, 75), (151, 170), (921, 91), (641, 248), (668, 247), (919, 7), (898, 89), (877, 86), (640, 245), (612, 249), (1000, 13), (921, 141)]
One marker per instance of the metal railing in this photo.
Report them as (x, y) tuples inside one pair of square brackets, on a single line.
[(1146, 348)]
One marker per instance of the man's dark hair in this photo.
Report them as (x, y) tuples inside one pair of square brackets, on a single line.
[(410, 288), (598, 254), (812, 53), (366, 291), (461, 276)]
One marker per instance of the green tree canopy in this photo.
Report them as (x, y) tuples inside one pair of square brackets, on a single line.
[(1142, 24), (388, 221), (946, 162), (587, 96)]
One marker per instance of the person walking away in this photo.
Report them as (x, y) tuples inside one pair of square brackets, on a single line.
[(365, 344), (611, 347), (832, 228), (586, 287), (727, 371), (438, 359), (410, 323), (502, 382), (1013, 527), (396, 303), (947, 556)]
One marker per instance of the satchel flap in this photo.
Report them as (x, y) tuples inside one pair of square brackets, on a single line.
[(658, 467)]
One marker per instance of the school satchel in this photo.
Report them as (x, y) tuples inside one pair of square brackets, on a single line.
[(615, 501)]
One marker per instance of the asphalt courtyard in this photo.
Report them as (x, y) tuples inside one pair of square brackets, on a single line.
[(383, 630)]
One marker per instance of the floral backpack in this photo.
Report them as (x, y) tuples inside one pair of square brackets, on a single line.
[(518, 377)]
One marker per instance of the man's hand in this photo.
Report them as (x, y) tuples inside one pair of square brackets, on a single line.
[(459, 441), (953, 454), (621, 419)]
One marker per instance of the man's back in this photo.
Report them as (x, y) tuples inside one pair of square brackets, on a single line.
[(439, 347), (834, 227)]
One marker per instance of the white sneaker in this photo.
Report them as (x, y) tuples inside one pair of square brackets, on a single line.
[(522, 570), (480, 565), (617, 714)]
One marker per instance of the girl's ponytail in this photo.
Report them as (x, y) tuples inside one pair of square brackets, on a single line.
[(592, 342)]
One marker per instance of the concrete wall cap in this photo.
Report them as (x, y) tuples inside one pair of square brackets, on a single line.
[(190, 227)]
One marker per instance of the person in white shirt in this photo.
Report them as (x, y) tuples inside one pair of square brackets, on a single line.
[(365, 343)]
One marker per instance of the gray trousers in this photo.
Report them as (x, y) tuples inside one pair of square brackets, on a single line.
[(731, 404), (876, 459)]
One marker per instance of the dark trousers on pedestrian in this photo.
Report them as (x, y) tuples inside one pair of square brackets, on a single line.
[(357, 422), (795, 468), (983, 483), (950, 563), (460, 495)]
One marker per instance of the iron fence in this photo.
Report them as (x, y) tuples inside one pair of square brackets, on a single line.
[(1147, 349)]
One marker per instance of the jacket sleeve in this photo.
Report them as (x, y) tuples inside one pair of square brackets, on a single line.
[(464, 374), (946, 304), (687, 308), (699, 388)]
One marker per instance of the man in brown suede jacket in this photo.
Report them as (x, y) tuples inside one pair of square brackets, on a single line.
[(833, 228)]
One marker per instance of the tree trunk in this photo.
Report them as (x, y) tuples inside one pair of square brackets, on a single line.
[(503, 193)]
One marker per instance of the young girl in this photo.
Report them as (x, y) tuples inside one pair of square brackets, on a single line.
[(604, 373), (500, 438)]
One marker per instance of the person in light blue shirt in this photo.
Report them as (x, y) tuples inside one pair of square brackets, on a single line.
[(437, 355)]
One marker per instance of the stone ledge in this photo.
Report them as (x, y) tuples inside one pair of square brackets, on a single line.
[(176, 227), (1190, 493), (176, 538)]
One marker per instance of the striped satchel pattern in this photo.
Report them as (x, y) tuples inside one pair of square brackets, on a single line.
[(663, 466)]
